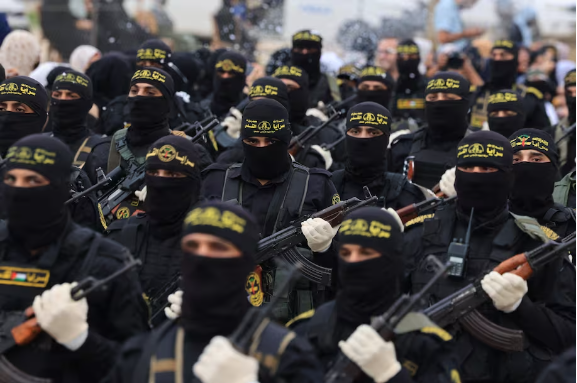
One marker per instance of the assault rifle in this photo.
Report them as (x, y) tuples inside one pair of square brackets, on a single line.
[(337, 106), (343, 370), (299, 142), (461, 305), (284, 241), (566, 133), (333, 144), (131, 182), (413, 211), (160, 300), (26, 327), (198, 130), (104, 181)]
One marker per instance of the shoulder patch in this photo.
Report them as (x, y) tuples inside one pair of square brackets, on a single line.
[(411, 366), (306, 315), (178, 133), (455, 377), (550, 233), (438, 332), (534, 91), (336, 198), (419, 219)]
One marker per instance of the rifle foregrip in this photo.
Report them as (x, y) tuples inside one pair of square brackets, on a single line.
[(407, 213), (487, 332), (512, 264), (26, 332)]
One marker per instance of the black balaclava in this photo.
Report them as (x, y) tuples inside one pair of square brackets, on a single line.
[(310, 62), (368, 288), (51, 77), (214, 298), (270, 87), (532, 192), (227, 92), (298, 98), (366, 156), (348, 73), (13, 125), (185, 70), (266, 118), (383, 97), (110, 78), (570, 81), (68, 117), (447, 119), (149, 115), (51, 158), (486, 192), (2, 73), (156, 51), (409, 74), (169, 198), (506, 100), (504, 73)]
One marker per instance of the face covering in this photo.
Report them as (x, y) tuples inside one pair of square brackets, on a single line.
[(69, 119), (532, 193), (406, 67), (299, 103), (14, 126), (149, 120), (214, 300), (506, 126), (486, 192), (503, 73), (310, 62), (366, 158), (447, 119), (382, 97), (570, 107), (227, 93), (268, 162), (167, 202)]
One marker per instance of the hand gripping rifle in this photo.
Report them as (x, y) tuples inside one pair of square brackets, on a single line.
[(413, 211), (299, 142), (343, 370), (283, 242), (131, 182), (27, 327), (461, 305), (160, 300)]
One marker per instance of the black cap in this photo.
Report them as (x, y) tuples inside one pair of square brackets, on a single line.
[(307, 39), (535, 139), (374, 73), (231, 61), (293, 73), (449, 82), (349, 72), (506, 99), (75, 82), (270, 87), (156, 77), (154, 50), (174, 153), (508, 46), (569, 79), (267, 118), (370, 114), (485, 148), (26, 90), (408, 47)]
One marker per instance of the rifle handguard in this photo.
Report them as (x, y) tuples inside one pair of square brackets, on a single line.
[(27, 331), (512, 264)]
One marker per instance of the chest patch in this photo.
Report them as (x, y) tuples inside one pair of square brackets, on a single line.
[(20, 276)]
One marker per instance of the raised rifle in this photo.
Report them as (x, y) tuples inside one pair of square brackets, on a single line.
[(104, 181), (337, 106), (198, 130), (333, 144), (300, 141), (461, 305), (28, 329), (283, 242), (131, 182), (413, 211), (343, 370), (160, 300), (566, 133)]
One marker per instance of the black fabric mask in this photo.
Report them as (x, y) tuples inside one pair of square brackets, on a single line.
[(532, 193), (447, 119), (267, 162), (407, 67), (167, 202), (14, 126), (366, 159), (148, 118), (570, 107), (506, 126), (486, 192), (69, 119), (382, 97), (368, 288), (503, 73), (310, 63), (227, 93), (45, 204), (299, 104), (214, 299)]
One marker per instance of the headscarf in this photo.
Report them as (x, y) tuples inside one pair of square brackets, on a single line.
[(81, 56), (20, 50)]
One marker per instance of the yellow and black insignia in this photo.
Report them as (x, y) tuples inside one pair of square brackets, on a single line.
[(150, 54), (228, 66), (253, 288), (336, 198), (410, 49), (211, 216), (419, 219), (71, 77), (123, 213), (411, 366), (146, 74), (525, 140), (288, 71), (166, 153), (19, 276), (501, 97), (438, 332), (25, 155), (307, 36), (478, 150), (13, 88), (442, 84), (360, 227), (550, 233)]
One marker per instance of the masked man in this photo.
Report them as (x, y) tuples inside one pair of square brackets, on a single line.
[(567, 145), (410, 92)]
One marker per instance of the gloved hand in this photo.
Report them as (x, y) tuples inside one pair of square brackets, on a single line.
[(221, 363), (319, 234), (396, 134), (141, 194), (232, 123), (505, 290), (447, 183), (375, 356), (325, 154), (61, 317), (316, 112), (174, 310), (393, 212)]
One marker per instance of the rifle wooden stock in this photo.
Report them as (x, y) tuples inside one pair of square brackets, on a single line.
[(410, 212), (27, 331)]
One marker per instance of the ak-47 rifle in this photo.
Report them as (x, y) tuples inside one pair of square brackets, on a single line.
[(333, 144), (343, 370), (131, 182), (413, 211), (27, 328), (566, 133), (283, 242), (160, 300), (299, 142), (337, 106), (198, 130), (104, 181), (461, 305)]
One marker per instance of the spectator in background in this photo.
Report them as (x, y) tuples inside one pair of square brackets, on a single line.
[(19, 53), (387, 56), (449, 26), (83, 56), (523, 24)]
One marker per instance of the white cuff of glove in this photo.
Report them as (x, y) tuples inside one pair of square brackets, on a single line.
[(325, 154), (393, 212), (506, 291), (318, 114), (447, 183), (77, 342), (319, 234), (141, 194)]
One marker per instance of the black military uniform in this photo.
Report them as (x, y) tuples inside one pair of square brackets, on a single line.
[(431, 151), (322, 87), (368, 289), (546, 314), (40, 247), (503, 76), (214, 304), (366, 162), (506, 100), (566, 146)]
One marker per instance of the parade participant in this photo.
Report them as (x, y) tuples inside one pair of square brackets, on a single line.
[(410, 91), (23, 104), (535, 170), (368, 129), (375, 85), (432, 149), (567, 144), (542, 307), (153, 53), (273, 188), (506, 112), (348, 79), (503, 65), (564, 192), (219, 243), (370, 273), (306, 54), (172, 188), (42, 253)]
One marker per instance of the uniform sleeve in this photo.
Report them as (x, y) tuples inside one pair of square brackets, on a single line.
[(397, 154), (536, 113), (299, 363)]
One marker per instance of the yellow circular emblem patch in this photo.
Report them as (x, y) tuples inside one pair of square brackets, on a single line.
[(166, 153), (254, 289), (123, 213), (336, 199)]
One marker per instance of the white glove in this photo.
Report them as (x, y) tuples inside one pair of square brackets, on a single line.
[(505, 290), (316, 112), (319, 234), (141, 194), (325, 154), (221, 363), (393, 212), (396, 134), (174, 310), (375, 356), (61, 317), (447, 183), (232, 123)]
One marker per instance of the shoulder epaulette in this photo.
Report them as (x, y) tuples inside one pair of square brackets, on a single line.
[(472, 88), (438, 332), (306, 315), (419, 219), (535, 92), (178, 133), (550, 233)]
